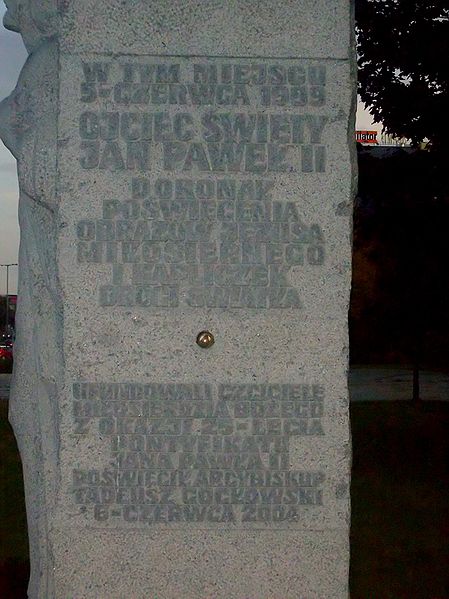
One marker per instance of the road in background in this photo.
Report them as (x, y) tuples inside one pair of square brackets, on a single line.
[(374, 383)]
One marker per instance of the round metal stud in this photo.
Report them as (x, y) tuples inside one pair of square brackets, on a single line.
[(205, 339)]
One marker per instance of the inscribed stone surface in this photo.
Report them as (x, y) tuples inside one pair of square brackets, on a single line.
[(185, 167)]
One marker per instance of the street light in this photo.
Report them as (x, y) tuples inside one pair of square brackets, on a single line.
[(7, 266)]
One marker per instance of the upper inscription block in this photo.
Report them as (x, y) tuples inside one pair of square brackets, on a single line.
[(293, 28), (204, 142)]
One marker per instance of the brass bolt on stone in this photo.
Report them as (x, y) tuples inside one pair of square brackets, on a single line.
[(205, 339)]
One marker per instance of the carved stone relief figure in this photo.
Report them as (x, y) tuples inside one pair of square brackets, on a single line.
[(28, 127), (36, 20)]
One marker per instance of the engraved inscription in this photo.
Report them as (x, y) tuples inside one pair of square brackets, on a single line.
[(197, 452), (206, 230), (214, 245), (206, 139)]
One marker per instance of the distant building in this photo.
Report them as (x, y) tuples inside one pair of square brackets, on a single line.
[(371, 138), (366, 137), (389, 140)]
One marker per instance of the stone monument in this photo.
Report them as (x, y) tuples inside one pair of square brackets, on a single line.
[(180, 398)]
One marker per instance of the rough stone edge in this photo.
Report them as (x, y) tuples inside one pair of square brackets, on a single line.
[(352, 147), (39, 362)]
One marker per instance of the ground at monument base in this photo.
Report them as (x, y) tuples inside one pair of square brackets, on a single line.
[(400, 500)]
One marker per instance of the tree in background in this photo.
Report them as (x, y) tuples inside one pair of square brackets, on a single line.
[(399, 307), (400, 294), (11, 314), (403, 61)]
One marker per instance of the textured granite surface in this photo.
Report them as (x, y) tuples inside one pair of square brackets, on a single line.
[(184, 167)]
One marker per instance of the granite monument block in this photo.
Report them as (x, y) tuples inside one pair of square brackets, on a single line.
[(180, 392)]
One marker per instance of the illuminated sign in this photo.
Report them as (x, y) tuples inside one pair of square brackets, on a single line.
[(366, 137)]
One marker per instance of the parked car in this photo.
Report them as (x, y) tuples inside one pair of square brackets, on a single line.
[(6, 358)]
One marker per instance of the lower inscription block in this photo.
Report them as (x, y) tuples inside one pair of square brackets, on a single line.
[(196, 453)]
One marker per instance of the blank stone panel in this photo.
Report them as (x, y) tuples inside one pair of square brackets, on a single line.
[(297, 28)]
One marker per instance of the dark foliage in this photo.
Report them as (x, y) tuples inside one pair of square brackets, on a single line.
[(11, 313), (401, 251), (403, 60), (14, 565), (400, 500)]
